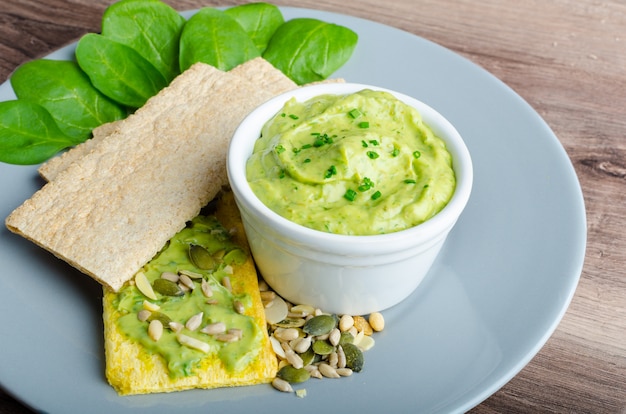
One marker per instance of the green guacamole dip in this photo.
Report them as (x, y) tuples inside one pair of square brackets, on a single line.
[(358, 164), (207, 232)]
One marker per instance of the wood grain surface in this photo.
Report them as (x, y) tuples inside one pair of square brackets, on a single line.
[(567, 58)]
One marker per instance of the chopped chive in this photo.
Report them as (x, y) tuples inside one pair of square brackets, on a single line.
[(425, 185), (366, 185), (417, 154), (376, 195), (374, 142), (318, 142), (364, 144), (410, 181), (355, 113), (281, 174), (283, 114), (316, 134), (279, 149), (296, 150), (305, 146), (372, 154), (350, 195), (332, 170), (292, 116), (364, 124), (395, 152), (307, 160)]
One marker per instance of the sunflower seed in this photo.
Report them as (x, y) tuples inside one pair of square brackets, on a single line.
[(186, 281), (281, 385), (207, 291), (327, 371), (172, 277), (194, 322), (143, 315), (214, 328), (155, 330), (194, 343)]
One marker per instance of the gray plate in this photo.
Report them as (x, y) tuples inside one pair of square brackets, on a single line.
[(497, 292)]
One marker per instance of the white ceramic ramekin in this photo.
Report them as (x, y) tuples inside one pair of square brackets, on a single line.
[(339, 273)]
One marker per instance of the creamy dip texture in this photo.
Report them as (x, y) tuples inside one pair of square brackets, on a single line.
[(358, 164)]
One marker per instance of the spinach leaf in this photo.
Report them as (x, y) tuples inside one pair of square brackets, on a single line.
[(213, 37), (28, 133), (76, 106), (309, 50), (118, 71), (151, 27), (259, 20)]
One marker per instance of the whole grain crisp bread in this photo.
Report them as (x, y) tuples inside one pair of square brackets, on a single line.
[(111, 210), (258, 71)]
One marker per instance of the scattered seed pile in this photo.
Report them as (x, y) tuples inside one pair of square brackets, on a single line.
[(310, 343)]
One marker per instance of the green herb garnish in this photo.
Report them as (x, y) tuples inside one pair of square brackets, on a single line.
[(350, 195)]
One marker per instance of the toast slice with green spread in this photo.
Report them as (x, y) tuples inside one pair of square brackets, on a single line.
[(208, 337)]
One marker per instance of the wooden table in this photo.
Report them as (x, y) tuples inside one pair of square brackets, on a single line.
[(568, 60)]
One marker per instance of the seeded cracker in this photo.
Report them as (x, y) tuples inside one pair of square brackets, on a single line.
[(110, 211), (131, 369), (258, 71)]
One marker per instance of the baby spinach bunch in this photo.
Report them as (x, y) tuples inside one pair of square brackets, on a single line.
[(144, 44)]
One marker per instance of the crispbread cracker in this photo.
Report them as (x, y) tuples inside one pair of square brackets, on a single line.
[(131, 369), (257, 71), (112, 210)]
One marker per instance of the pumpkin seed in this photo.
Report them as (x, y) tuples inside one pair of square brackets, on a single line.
[(291, 323), (346, 338), (161, 317), (293, 375), (201, 257), (322, 347), (354, 357), (308, 357), (319, 325), (167, 287)]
